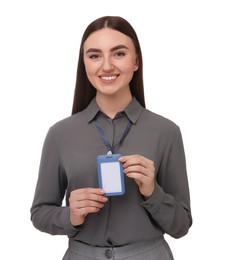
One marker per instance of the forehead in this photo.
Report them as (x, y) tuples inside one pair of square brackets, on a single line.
[(107, 38)]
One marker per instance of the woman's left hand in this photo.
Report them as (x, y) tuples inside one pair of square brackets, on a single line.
[(142, 170)]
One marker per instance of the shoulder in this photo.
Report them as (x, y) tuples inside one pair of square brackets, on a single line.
[(73, 123), (158, 122), (79, 120)]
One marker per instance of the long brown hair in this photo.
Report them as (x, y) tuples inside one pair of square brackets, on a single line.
[(84, 91)]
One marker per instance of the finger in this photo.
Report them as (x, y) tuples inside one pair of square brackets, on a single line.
[(140, 178), (134, 160), (88, 203), (88, 194), (127, 158), (91, 197), (136, 168), (89, 191), (85, 211)]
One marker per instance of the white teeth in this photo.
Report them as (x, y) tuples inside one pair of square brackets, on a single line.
[(108, 77)]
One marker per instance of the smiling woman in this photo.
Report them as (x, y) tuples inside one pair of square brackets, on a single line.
[(84, 91), (109, 116)]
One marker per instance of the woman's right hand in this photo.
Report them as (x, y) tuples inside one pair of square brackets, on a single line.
[(85, 201)]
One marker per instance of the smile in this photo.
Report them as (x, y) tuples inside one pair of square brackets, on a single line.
[(108, 77)]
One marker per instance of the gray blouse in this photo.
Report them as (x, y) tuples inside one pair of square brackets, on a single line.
[(68, 162)]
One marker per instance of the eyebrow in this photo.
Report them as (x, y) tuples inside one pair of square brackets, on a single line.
[(113, 49)]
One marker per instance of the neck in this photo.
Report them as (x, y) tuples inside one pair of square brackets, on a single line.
[(111, 105)]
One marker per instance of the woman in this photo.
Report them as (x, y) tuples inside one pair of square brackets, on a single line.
[(109, 115)]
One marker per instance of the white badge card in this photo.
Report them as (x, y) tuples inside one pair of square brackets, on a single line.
[(110, 174)]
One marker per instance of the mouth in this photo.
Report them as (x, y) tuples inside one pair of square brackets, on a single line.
[(108, 77)]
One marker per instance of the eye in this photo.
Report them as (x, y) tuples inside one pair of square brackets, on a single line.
[(120, 54), (94, 56)]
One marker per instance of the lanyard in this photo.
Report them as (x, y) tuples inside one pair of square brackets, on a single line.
[(105, 139)]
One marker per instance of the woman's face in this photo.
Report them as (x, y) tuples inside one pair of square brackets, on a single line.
[(110, 61)]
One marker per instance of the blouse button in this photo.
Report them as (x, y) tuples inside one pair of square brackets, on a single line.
[(108, 253)]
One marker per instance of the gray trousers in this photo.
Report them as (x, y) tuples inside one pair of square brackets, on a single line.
[(155, 249)]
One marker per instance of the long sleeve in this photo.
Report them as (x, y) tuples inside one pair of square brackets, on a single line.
[(47, 213), (169, 205)]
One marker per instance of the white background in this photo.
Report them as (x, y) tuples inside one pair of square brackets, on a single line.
[(183, 44)]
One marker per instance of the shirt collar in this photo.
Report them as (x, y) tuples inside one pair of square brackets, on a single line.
[(133, 110), (92, 110)]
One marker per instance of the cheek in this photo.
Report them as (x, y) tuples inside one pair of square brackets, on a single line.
[(89, 69), (92, 67), (88, 72), (128, 71), (129, 66)]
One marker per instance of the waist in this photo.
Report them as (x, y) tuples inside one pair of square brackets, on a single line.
[(124, 251)]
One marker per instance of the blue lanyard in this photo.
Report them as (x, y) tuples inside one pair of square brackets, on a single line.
[(105, 139)]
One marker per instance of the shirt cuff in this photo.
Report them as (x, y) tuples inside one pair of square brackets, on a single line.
[(65, 221), (156, 197)]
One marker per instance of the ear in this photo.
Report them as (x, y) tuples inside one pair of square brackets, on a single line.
[(136, 64)]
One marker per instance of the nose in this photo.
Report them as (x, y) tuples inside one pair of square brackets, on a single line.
[(107, 64)]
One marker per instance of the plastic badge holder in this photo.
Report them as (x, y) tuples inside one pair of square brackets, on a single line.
[(110, 174)]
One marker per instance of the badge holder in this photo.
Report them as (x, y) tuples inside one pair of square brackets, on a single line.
[(110, 174)]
